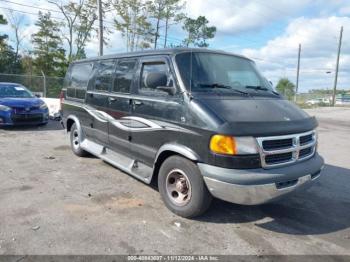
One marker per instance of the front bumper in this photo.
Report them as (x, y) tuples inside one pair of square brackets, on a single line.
[(258, 186), (12, 119)]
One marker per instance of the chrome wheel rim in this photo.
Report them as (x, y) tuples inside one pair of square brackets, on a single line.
[(178, 187), (76, 139)]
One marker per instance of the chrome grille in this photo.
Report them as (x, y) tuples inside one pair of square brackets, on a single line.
[(277, 151)]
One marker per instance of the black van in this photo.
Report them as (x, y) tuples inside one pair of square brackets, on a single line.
[(200, 123)]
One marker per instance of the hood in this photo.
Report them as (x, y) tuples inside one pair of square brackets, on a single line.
[(259, 116), (21, 102)]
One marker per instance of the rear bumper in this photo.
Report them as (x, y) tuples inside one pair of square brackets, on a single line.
[(258, 186)]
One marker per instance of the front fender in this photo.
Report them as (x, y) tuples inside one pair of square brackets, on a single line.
[(179, 149)]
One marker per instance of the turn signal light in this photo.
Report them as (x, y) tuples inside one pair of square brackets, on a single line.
[(221, 144)]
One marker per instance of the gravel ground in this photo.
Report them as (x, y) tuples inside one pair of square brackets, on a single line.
[(52, 202)]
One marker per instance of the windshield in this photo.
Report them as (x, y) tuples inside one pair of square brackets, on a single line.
[(9, 90), (220, 72)]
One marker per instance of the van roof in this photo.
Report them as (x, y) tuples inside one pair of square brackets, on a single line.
[(165, 51)]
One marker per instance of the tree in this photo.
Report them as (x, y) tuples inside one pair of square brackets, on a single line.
[(3, 38), (286, 88), (7, 56), (173, 15), (79, 19), (16, 23), (198, 31), (49, 54), (157, 11), (84, 29), (132, 22)]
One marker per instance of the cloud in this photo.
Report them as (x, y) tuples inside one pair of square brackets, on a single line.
[(116, 44), (319, 40), (345, 10), (232, 17)]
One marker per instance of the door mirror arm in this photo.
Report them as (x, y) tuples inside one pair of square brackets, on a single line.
[(171, 90)]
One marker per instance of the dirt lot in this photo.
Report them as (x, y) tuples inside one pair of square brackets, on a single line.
[(52, 202)]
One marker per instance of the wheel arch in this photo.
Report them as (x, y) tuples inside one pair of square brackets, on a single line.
[(169, 150), (71, 119)]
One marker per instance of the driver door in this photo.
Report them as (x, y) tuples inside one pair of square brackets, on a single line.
[(154, 110)]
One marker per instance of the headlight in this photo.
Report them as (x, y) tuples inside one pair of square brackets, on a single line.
[(229, 145), (43, 106), (4, 108)]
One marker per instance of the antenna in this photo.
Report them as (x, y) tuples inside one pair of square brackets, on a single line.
[(191, 72)]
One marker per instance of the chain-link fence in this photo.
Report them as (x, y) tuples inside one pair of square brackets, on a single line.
[(310, 100), (45, 86)]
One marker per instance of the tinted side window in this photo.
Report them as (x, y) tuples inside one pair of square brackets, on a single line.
[(124, 75), (79, 78), (105, 71), (152, 68)]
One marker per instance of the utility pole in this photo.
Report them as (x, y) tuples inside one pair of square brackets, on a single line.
[(44, 84), (298, 70), (100, 27), (337, 67)]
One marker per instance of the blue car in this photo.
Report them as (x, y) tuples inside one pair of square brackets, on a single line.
[(18, 106)]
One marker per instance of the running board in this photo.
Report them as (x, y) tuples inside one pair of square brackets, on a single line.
[(124, 163)]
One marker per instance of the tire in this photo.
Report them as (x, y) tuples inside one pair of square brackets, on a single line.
[(75, 142), (182, 187)]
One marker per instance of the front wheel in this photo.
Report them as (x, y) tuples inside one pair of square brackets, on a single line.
[(75, 140), (182, 187)]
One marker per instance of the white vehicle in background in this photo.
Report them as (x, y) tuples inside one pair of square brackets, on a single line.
[(54, 107), (318, 101)]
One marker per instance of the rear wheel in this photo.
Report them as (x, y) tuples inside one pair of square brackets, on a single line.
[(182, 187), (75, 138)]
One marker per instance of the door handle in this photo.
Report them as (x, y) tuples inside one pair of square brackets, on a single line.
[(137, 103), (111, 99)]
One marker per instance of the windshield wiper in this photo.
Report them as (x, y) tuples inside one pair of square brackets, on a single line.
[(262, 89), (257, 88), (217, 85)]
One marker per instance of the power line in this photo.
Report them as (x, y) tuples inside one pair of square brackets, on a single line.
[(31, 6), (103, 20), (26, 12), (95, 28)]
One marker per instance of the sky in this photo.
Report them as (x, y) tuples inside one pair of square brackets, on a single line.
[(269, 32)]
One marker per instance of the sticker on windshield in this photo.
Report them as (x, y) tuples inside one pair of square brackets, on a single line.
[(18, 88)]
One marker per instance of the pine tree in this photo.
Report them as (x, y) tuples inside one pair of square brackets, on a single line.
[(48, 51), (132, 22), (198, 32), (9, 62)]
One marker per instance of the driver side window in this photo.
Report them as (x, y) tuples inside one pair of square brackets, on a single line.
[(151, 73)]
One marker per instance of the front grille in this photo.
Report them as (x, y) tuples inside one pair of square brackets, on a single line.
[(281, 150), (305, 152), (20, 110), (277, 144), (278, 158), (26, 118), (305, 139)]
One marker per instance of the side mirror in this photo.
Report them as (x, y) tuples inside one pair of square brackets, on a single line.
[(37, 95), (98, 83), (171, 90), (158, 80)]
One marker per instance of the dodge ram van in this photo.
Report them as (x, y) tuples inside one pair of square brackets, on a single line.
[(197, 122)]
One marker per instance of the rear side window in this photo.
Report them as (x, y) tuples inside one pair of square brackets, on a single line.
[(79, 78), (104, 76), (124, 76)]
